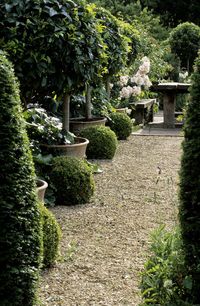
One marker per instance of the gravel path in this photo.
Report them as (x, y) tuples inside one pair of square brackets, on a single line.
[(105, 242)]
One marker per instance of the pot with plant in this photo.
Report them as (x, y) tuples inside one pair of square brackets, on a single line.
[(77, 124), (46, 132)]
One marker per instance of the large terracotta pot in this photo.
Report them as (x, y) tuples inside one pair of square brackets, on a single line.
[(78, 124), (78, 149), (41, 189)]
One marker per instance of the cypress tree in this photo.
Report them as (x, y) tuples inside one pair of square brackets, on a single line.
[(20, 230), (189, 210)]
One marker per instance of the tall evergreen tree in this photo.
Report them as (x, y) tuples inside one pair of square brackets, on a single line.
[(189, 210), (20, 242)]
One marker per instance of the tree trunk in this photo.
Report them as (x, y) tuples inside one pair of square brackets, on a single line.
[(66, 109), (188, 65), (88, 110), (108, 87)]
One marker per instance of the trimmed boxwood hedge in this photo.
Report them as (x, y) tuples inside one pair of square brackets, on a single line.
[(189, 209), (102, 142), (73, 180), (121, 124), (20, 219), (51, 236)]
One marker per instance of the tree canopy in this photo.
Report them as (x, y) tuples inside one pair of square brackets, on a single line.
[(173, 12)]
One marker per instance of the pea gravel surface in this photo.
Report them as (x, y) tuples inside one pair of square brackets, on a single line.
[(105, 242)]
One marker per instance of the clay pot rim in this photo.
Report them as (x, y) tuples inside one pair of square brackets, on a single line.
[(82, 141), (88, 121), (43, 186)]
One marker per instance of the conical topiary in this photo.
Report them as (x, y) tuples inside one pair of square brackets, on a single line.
[(20, 225), (189, 210)]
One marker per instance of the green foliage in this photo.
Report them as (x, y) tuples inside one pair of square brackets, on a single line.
[(20, 223), (152, 24), (120, 9), (173, 12), (102, 142), (120, 38), (185, 43), (181, 102), (101, 106), (156, 50), (45, 129), (121, 124), (65, 43), (165, 279), (73, 180), (189, 210), (51, 236)]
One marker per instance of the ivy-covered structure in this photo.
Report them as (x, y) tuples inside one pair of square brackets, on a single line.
[(20, 225)]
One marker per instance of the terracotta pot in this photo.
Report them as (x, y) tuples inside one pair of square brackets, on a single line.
[(78, 124), (41, 189), (77, 149)]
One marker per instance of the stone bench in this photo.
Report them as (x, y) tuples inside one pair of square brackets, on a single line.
[(142, 111)]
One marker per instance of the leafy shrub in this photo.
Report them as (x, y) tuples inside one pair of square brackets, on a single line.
[(185, 43), (20, 222), (51, 236), (165, 279), (189, 209), (72, 179), (121, 124), (102, 142), (46, 129)]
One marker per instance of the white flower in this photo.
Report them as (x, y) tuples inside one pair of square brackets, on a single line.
[(126, 92), (145, 66), (133, 79), (139, 80), (111, 85), (123, 80), (147, 83), (136, 90)]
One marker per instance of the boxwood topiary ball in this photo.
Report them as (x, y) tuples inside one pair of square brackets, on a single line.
[(73, 180), (102, 142), (121, 124)]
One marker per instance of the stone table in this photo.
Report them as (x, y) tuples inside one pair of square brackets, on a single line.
[(169, 91)]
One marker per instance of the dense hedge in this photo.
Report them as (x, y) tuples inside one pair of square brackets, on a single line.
[(189, 211), (51, 236), (121, 124), (102, 142), (20, 223), (72, 179)]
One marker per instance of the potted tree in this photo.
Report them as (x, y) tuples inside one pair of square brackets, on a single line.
[(121, 42), (64, 56), (97, 52)]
